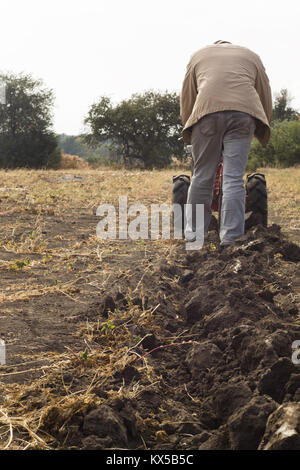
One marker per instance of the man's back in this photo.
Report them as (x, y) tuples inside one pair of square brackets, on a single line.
[(224, 77)]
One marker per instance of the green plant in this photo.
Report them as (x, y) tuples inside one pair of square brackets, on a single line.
[(84, 355), (137, 339), (20, 263), (107, 327)]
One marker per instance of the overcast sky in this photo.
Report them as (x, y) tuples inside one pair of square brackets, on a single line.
[(85, 49)]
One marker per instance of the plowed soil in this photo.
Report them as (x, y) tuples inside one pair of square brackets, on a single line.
[(149, 349)]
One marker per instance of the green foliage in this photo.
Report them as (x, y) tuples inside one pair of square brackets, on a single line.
[(84, 356), (26, 138), (137, 339), (281, 109), (101, 154), (143, 129), (283, 150), (107, 327), (20, 263), (286, 143), (53, 159), (71, 145)]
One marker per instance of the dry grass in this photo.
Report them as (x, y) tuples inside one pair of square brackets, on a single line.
[(72, 162), (284, 198), (24, 421)]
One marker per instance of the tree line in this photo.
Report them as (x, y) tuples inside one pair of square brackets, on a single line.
[(283, 149), (144, 130)]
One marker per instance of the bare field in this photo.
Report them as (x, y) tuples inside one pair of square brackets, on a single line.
[(79, 314), (284, 199)]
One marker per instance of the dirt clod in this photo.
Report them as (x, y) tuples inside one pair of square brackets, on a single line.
[(283, 429), (104, 422)]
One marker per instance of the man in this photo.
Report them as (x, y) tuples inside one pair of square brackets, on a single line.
[(225, 100)]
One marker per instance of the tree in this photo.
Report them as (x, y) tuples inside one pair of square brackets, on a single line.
[(283, 149), (144, 128), (95, 154), (26, 136), (70, 144), (281, 109)]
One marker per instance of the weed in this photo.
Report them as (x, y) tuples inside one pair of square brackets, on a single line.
[(84, 356), (107, 327), (212, 247), (137, 339), (20, 263)]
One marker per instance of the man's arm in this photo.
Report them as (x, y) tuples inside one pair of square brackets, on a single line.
[(188, 94), (263, 89)]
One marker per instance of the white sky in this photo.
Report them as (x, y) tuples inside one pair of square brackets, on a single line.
[(85, 49)]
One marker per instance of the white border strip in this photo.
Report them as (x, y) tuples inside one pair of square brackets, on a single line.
[(2, 352)]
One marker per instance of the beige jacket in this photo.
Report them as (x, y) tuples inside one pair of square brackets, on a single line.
[(226, 77)]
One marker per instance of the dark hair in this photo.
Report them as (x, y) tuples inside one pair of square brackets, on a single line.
[(222, 42)]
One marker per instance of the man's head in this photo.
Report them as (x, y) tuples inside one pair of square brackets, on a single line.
[(222, 42)]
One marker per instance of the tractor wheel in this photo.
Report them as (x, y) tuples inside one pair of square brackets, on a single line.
[(256, 201)]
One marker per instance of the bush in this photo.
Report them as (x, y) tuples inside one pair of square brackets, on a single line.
[(54, 159), (283, 149), (31, 150)]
